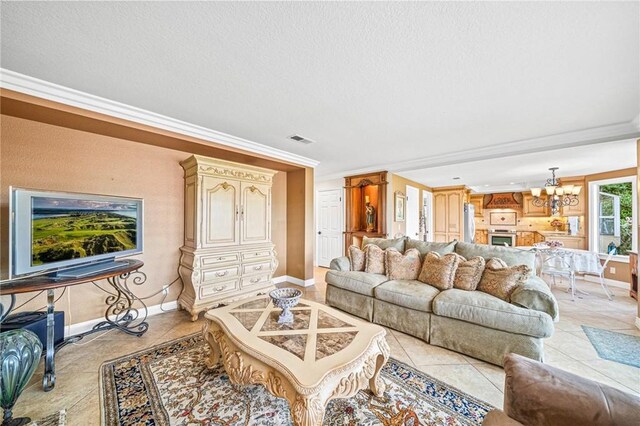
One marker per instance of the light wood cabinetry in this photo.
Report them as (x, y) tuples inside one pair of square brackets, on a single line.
[(579, 209), (478, 205), (482, 236), (448, 214), (525, 238), (227, 253), (530, 210)]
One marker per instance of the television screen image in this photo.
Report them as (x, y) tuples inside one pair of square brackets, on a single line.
[(52, 232), (64, 229)]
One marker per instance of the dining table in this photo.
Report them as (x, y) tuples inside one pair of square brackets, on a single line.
[(584, 261)]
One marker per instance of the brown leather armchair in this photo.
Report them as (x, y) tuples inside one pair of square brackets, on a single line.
[(536, 394)]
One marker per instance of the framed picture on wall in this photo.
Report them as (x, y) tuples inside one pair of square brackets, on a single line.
[(400, 203), (503, 218)]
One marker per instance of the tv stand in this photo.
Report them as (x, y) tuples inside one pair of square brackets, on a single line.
[(90, 269), (125, 311)]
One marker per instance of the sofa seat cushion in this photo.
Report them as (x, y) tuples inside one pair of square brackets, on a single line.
[(489, 311), (410, 294), (357, 282)]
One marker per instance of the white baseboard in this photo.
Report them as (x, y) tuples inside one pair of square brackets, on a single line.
[(293, 280), (607, 281), (81, 327)]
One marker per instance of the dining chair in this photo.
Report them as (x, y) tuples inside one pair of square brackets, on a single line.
[(558, 262), (600, 274)]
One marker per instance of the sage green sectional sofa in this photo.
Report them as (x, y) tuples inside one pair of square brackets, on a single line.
[(470, 322)]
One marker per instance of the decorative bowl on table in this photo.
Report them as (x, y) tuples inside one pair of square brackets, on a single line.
[(285, 299)]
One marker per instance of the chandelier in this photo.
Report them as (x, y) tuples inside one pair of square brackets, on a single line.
[(558, 195)]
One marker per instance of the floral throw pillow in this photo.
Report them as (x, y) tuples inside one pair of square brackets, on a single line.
[(469, 273), (500, 280), (374, 259), (356, 258), (402, 266), (439, 271)]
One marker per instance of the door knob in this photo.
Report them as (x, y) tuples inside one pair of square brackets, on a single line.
[(319, 232)]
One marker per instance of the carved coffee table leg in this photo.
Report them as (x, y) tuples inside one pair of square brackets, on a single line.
[(208, 331), (307, 410), (376, 384)]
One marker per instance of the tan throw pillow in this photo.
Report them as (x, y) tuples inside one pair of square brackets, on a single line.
[(402, 266), (439, 271), (356, 258), (374, 259), (469, 273), (500, 280)]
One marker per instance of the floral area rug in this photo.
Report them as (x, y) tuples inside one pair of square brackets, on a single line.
[(169, 384)]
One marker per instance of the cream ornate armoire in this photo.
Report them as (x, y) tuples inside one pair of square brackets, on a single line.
[(227, 253)]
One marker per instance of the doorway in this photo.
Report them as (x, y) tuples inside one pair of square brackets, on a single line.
[(413, 212), (427, 215), (329, 226)]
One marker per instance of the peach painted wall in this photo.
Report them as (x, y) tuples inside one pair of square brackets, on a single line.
[(42, 156)]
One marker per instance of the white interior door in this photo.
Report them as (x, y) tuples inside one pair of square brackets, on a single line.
[(413, 212), (427, 210), (329, 226)]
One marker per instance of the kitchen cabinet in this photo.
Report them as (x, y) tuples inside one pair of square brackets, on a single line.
[(477, 201), (482, 237), (579, 209), (525, 238), (531, 210), (448, 214)]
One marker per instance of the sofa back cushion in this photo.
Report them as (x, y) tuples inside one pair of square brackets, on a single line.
[(469, 273), (374, 259), (402, 266), (510, 256), (385, 243), (500, 280), (356, 258), (439, 271), (425, 247)]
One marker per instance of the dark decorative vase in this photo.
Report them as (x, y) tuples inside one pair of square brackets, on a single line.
[(20, 352)]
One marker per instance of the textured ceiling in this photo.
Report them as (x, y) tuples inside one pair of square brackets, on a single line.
[(370, 82), (519, 172)]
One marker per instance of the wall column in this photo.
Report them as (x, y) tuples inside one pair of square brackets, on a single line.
[(300, 225)]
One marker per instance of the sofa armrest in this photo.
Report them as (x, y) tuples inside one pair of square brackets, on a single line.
[(499, 418), (535, 294), (542, 395), (340, 264)]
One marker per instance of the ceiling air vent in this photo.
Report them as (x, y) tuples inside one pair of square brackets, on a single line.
[(301, 139)]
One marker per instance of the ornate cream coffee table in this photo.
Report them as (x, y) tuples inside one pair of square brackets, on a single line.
[(323, 354)]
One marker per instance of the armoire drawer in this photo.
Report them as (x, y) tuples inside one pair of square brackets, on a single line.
[(258, 254), (212, 290), (254, 268), (220, 274), (214, 260), (255, 280)]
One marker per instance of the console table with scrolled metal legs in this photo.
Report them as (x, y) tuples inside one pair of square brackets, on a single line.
[(121, 313)]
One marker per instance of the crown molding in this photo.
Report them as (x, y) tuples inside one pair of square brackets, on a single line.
[(595, 135), (12, 80)]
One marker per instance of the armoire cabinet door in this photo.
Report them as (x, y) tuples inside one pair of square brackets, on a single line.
[(221, 210), (255, 213)]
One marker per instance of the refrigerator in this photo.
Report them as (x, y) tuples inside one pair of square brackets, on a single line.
[(469, 223)]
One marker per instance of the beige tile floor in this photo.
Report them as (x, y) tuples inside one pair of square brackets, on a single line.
[(77, 365)]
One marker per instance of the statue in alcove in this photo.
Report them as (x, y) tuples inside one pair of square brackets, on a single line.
[(370, 214)]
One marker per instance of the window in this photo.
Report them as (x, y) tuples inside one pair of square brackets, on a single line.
[(613, 216)]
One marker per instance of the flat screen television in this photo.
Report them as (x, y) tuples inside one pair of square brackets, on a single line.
[(54, 231)]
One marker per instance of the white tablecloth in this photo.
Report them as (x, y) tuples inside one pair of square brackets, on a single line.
[(584, 261)]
